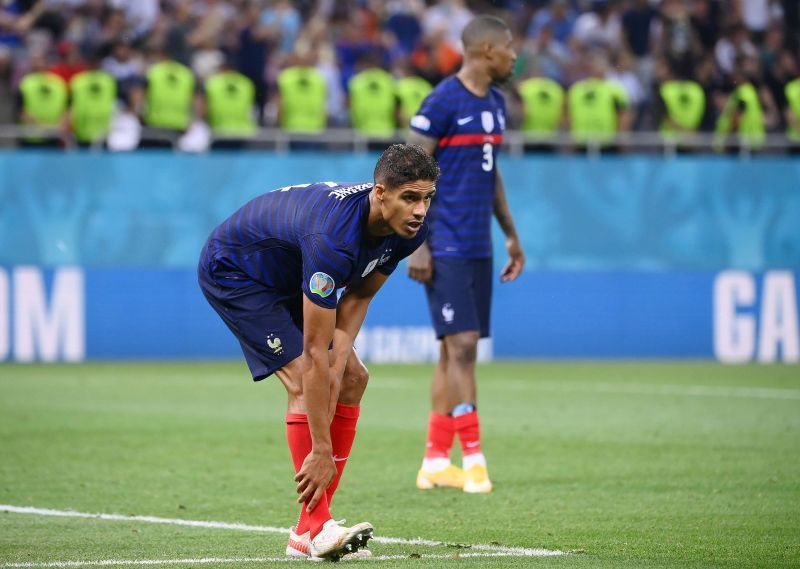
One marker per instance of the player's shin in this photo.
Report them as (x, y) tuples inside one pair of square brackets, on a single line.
[(298, 436), (343, 433)]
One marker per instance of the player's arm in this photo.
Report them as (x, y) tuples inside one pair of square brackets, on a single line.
[(350, 315), (318, 468), (516, 258), (420, 262)]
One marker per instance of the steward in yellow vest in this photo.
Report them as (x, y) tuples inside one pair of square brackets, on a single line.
[(94, 98), (411, 91), (44, 99), (792, 113), (373, 102), (684, 104), (303, 99), (543, 104), (230, 97), (595, 106), (170, 94)]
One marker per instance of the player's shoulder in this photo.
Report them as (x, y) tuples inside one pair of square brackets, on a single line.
[(496, 94)]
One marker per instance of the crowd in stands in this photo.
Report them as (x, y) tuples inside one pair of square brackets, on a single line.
[(105, 68)]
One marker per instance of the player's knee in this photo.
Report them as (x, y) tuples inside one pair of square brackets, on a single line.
[(355, 379), (462, 348), (354, 382)]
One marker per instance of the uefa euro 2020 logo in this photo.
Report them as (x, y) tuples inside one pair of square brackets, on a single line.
[(321, 284)]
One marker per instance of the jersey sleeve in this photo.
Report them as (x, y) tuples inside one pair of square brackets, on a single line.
[(326, 265), (403, 249), (433, 118)]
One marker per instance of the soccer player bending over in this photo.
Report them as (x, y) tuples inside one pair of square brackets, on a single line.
[(291, 273), (461, 123)]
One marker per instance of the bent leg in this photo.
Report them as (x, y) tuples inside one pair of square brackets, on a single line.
[(298, 435)]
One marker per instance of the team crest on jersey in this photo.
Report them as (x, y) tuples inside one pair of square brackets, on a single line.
[(501, 119), (321, 284), (487, 121)]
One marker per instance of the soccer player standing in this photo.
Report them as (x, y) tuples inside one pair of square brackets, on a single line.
[(461, 123), (291, 274)]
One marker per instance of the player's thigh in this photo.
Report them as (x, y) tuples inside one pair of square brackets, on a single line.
[(264, 323), (452, 298), (483, 278)]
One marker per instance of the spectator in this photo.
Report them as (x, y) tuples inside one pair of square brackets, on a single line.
[(637, 27), (758, 15), (253, 49), (547, 55), (176, 41), (600, 28), (285, 22), (125, 66), (706, 17), (403, 23), (622, 72), (733, 45), (679, 43), (70, 61), (446, 20), (140, 15), (558, 18)]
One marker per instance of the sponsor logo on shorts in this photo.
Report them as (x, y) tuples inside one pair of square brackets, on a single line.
[(321, 284), (274, 343), (448, 313)]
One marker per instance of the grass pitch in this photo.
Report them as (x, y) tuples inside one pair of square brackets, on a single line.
[(624, 464)]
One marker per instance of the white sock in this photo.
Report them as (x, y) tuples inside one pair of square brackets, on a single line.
[(472, 459), (435, 464)]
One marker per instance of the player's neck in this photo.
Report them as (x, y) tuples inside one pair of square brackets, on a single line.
[(377, 227), (475, 79)]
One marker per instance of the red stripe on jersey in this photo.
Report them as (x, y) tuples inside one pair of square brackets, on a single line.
[(467, 139)]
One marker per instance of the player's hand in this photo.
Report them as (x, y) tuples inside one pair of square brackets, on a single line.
[(420, 264), (315, 476), (516, 260)]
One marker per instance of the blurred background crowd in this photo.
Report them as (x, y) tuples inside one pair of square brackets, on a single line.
[(103, 69)]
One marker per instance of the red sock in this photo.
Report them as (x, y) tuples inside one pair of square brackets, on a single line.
[(343, 433), (468, 429), (441, 431), (299, 437)]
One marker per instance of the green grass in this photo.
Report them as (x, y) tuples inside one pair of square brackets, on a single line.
[(627, 463)]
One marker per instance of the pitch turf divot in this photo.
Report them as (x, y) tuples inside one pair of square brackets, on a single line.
[(477, 550)]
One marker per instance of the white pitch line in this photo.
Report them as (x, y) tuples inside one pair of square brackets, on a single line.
[(222, 560), (494, 550), (670, 389)]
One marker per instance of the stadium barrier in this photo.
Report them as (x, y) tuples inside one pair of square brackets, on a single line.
[(627, 257)]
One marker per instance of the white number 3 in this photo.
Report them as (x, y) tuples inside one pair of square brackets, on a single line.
[(488, 158)]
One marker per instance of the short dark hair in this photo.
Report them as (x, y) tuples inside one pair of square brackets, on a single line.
[(403, 163), (481, 29)]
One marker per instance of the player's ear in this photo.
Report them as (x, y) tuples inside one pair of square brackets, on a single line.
[(380, 191)]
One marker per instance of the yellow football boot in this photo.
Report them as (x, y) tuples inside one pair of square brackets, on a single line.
[(476, 480), (450, 477)]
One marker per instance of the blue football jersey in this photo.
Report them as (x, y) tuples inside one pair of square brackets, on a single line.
[(469, 130), (310, 238)]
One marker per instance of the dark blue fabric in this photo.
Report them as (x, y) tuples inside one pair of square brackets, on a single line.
[(309, 239), (460, 296), (469, 129), (287, 238), (269, 326)]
